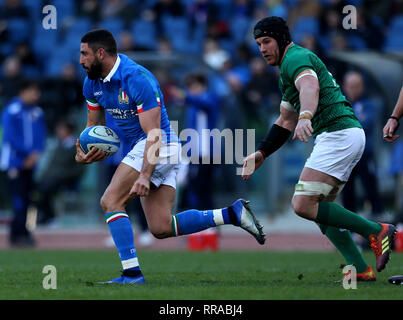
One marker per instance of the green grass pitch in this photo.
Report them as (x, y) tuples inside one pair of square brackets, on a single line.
[(182, 275)]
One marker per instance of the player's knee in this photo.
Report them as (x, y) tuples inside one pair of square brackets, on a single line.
[(162, 229), (302, 208), (160, 232), (108, 203)]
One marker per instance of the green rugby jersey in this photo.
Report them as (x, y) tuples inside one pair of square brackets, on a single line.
[(334, 111)]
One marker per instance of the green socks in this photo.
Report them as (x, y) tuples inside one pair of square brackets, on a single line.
[(332, 214), (342, 240)]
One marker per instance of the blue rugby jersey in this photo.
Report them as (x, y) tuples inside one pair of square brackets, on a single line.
[(126, 91), (24, 132)]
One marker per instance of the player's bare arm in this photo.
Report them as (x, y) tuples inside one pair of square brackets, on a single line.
[(308, 86), (95, 117), (150, 122), (393, 122), (276, 137)]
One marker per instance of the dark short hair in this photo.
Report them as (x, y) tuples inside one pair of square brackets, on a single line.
[(101, 38), (196, 78), (24, 84)]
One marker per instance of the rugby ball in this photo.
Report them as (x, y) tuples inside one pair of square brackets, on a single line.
[(101, 137)]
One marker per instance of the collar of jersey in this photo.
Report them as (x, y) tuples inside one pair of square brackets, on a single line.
[(112, 72)]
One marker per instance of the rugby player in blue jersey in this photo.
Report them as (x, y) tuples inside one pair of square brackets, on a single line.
[(132, 96)]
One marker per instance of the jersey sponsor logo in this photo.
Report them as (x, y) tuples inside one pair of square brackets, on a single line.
[(123, 97), (98, 93), (122, 114)]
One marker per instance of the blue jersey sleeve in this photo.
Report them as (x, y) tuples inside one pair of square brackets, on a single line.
[(88, 92), (145, 92)]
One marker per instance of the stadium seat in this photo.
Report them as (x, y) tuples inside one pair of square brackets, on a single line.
[(356, 42), (175, 26), (43, 41), (394, 39), (56, 62), (144, 33), (239, 27), (306, 25), (34, 9), (65, 9), (76, 31), (176, 29), (18, 30), (115, 26)]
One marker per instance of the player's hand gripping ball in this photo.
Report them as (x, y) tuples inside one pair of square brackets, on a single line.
[(101, 137)]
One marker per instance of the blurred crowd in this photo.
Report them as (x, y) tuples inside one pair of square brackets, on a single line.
[(217, 32)]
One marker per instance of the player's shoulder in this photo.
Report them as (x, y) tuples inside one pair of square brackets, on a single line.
[(296, 54)]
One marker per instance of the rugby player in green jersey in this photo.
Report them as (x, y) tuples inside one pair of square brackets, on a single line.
[(314, 106)]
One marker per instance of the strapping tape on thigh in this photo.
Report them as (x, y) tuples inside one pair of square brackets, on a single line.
[(312, 188)]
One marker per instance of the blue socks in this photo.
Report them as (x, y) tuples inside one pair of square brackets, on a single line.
[(191, 221), (122, 234)]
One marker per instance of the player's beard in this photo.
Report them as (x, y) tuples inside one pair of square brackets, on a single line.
[(95, 70)]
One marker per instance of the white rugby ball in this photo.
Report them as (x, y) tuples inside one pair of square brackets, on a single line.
[(101, 137)]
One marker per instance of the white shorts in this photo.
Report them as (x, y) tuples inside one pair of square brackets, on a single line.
[(167, 166), (336, 153)]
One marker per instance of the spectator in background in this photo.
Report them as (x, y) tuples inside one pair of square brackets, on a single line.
[(164, 46), (29, 63), (303, 8), (11, 78), (214, 56), (24, 138), (13, 9), (61, 171), (371, 33), (166, 8), (309, 42), (128, 44), (69, 90), (202, 112), (366, 113), (89, 9), (259, 93), (119, 9)]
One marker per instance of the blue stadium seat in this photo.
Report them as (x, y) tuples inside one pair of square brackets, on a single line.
[(356, 42), (115, 26), (76, 31), (175, 26), (306, 25), (44, 41), (144, 33), (239, 27), (65, 9), (177, 29), (54, 65), (394, 39), (18, 30), (34, 9)]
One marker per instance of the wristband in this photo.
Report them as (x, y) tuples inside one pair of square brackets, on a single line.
[(397, 119), (305, 115)]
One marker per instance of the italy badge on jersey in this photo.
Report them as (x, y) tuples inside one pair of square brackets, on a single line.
[(123, 97)]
